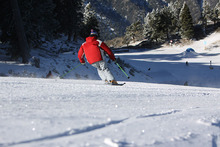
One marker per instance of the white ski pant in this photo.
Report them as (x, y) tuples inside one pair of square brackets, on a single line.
[(103, 71)]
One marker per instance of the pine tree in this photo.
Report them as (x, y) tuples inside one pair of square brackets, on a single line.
[(20, 32), (90, 21), (175, 8), (69, 15), (40, 20), (152, 26), (216, 13), (166, 24), (6, 18), (156, 26), (159, 25), (78, 18), (134, 31), (206, 14), (186, 23), (148, 25)]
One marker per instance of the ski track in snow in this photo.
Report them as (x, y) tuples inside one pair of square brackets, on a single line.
[(159, 114), (89, 129), (71, 132)]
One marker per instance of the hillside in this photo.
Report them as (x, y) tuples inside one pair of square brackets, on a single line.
[(153, 108), (115, 16), (165, 65)]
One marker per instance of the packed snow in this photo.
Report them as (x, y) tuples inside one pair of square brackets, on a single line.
[(153, 108), (67, 113), (174, 65)]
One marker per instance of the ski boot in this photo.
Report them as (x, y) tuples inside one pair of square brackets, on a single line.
[(113, 82)]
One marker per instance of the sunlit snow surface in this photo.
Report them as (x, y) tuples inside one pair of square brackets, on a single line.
[(76, 113)]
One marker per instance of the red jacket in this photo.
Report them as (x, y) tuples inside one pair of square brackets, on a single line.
[(91, 49)]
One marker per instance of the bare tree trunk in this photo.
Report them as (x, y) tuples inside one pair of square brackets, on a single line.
[(75, 37), (22, 40), (70, 34)]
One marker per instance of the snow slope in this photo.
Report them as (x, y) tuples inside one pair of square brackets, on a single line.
[(72, 113), (168, 63), (165, 65), (153, 108)]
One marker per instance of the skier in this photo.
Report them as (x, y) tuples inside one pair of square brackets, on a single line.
[(95, 50)]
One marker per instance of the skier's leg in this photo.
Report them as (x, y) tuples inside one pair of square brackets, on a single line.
[(104, 67), (105, 71), (100, 72)]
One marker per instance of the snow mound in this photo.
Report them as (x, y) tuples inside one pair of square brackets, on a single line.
[(189, 53)]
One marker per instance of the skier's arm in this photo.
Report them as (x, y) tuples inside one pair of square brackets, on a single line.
[(108, 51), (81, 55)]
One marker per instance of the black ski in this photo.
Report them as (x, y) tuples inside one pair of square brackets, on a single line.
[(119, 84)]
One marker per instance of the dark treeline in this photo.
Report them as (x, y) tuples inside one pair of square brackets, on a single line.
[(25, 23)]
